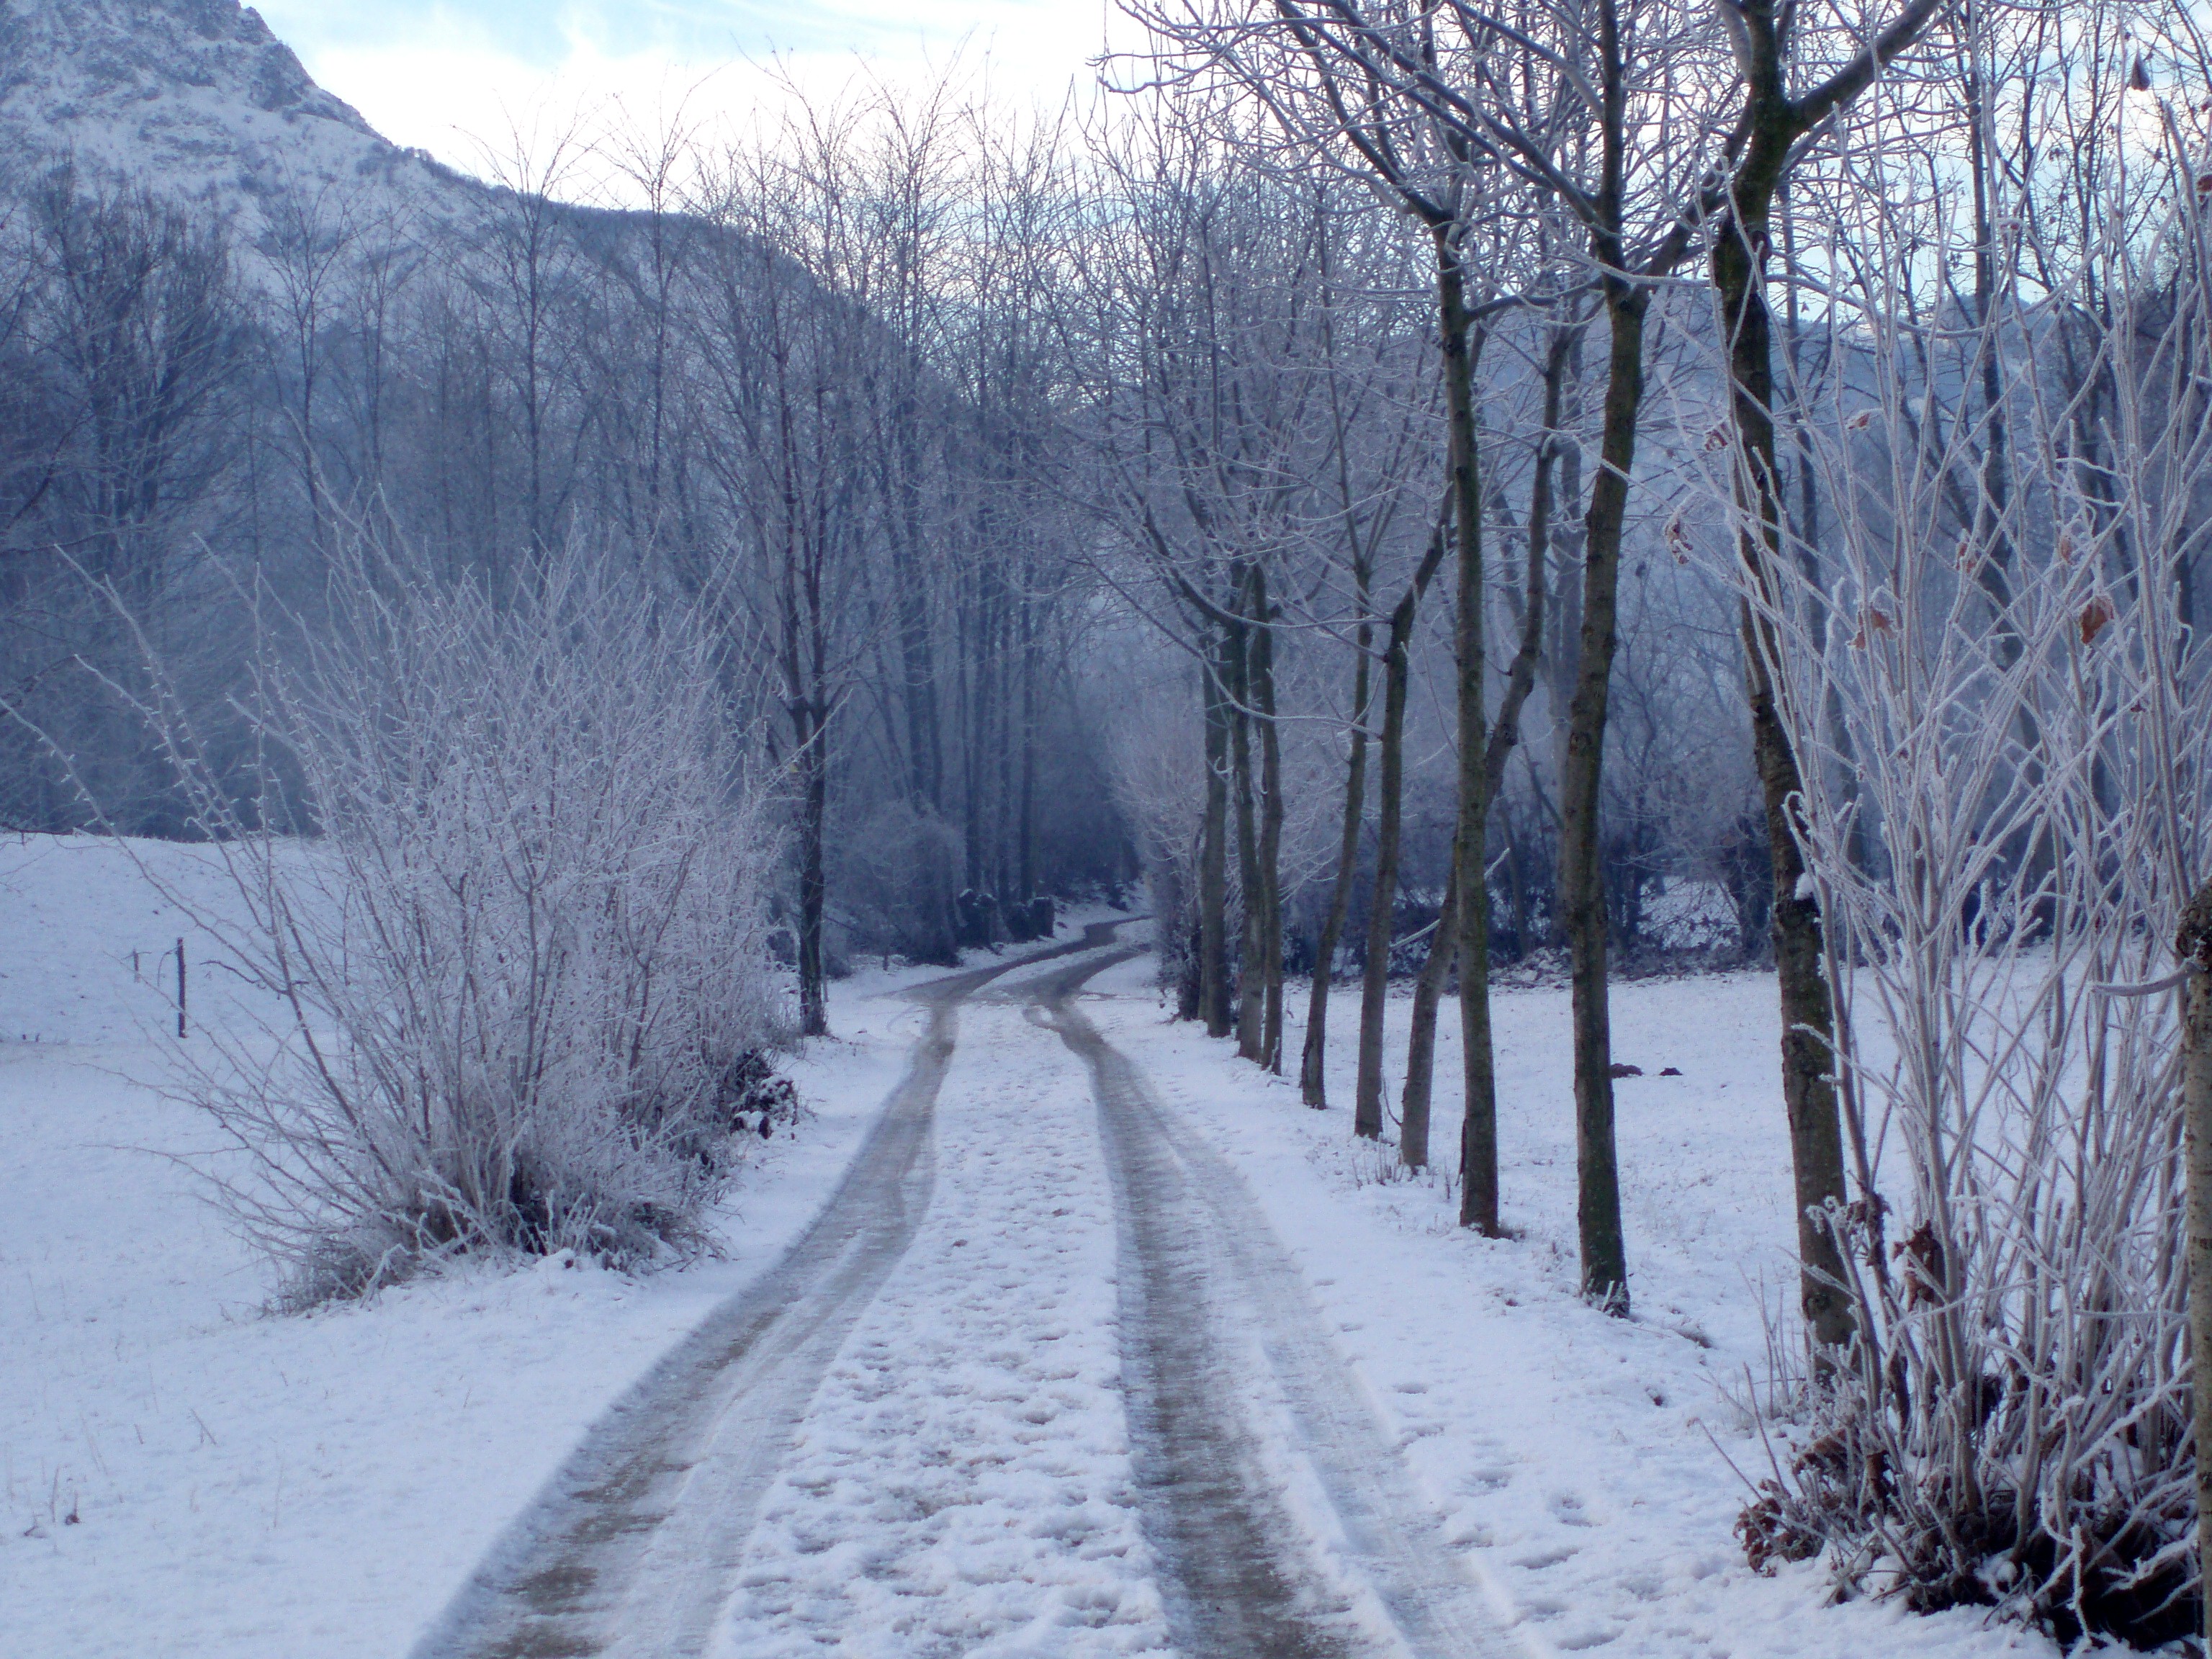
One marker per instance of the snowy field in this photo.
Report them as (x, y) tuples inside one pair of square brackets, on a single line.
[(173, 1460)]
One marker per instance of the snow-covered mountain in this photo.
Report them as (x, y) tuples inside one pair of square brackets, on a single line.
[(197, 100)]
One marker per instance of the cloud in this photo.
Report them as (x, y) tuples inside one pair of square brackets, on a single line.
[(532, 33), (461, 78)]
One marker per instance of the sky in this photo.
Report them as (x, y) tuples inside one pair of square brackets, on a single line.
[(453, 76)]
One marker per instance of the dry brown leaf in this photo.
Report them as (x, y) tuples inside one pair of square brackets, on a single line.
[(1871, 622), (2095, 615)]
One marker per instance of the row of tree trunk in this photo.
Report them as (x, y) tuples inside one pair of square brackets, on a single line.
[(1243, 782), (1367, 93)]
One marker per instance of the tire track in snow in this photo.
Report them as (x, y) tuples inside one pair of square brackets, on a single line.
[(632, 1547), (1200, 1261), (961, 1488)]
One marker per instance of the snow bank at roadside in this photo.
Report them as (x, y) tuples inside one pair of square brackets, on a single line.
[(177, 1467), (1582, 1461)]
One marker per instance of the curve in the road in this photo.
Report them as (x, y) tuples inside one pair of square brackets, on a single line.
[(1200, 1261), (632, 1548)]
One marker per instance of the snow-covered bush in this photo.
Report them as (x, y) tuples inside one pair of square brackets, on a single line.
[(520, 963), (1987, 667)]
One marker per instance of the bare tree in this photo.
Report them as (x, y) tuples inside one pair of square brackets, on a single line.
[(1772, 55), (782, 346)]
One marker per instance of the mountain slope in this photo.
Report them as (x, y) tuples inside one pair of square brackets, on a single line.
[(197, 99)]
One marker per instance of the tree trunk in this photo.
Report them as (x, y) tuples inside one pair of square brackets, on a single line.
[(1005, 744), (1478, 1126), (1771, 125), (1367, 1102), (1468, 936), (1026, 830), (814, 775), (2194, 942), (1808, 1087), (1421, 1034), (974, 629), (925, 744), (1313, 1089), (1563, 658), (1581, 895), (1263, 665), (1213, 860), (925, 759), (1477, 1140), (1251, 982)]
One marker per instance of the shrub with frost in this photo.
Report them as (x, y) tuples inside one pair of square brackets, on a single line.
[(516, 966), (2006, 730)]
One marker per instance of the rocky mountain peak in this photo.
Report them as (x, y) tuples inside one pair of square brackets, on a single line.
[(195, 99), (139, 49)]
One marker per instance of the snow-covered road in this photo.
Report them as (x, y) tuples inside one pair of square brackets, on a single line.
[(1039, 1381), (1241, 1409), (1110, 1348)]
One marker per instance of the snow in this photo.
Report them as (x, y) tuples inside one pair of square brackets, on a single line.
[(962, 1485), (1582, 1463), (174, 1460), (250, 1485), (76, 913), (197, 101)]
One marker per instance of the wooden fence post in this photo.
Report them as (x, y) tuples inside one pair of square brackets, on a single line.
[(2194, 943)]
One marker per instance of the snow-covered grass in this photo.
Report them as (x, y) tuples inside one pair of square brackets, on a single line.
[(75, 912), (172, 1459), (182, 1473), (1583, 1463)]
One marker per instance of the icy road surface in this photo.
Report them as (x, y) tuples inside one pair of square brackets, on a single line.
[(1039, 1381)]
